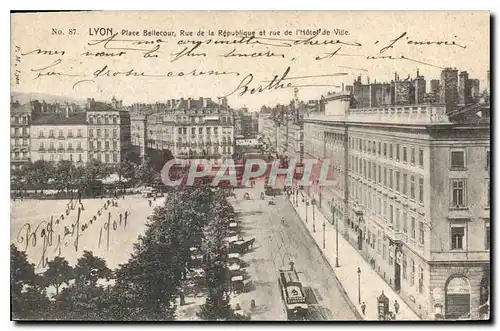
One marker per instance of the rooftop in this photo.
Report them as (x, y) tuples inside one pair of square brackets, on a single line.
[(75, 118)]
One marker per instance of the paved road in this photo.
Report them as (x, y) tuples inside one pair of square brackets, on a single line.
[(277, 244)]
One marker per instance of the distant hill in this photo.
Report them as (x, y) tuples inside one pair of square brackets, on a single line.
[(26, 97)]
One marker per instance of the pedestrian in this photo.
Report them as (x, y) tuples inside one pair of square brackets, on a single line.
[(363, 307), (149, 203), (396, 306)]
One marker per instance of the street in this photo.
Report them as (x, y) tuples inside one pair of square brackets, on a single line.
[(278, 243)]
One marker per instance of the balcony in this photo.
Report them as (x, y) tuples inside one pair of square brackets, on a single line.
[(60, 150), (457, 256), (60, 137), (41, 149), (393, 235)]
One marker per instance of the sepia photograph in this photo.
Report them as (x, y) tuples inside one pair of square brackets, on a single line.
[(250, 166)]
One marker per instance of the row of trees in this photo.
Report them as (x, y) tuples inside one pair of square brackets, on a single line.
[(65, 175), (147, 285)]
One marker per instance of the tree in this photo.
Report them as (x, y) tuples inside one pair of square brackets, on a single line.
[(144, 172), (59, 272), (29, 300), (66, 172), (89, 269)]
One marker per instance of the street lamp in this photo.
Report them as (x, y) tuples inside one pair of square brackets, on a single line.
[(359, 284), (324, 226), (307, 204), (313, 202), (336, 235)]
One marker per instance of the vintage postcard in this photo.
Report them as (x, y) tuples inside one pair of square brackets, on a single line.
[(243, 166)]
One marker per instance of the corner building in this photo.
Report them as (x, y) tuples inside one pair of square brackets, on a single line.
[(412, 197)]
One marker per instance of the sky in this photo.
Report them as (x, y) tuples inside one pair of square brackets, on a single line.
[(62, 53)]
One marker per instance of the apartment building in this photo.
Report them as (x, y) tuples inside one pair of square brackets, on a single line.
[(109, 135), (412, 195), (59, 136), (20, 120)]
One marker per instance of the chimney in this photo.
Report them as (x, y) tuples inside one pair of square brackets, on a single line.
[(189, 103), (368, 80), (418, 74)]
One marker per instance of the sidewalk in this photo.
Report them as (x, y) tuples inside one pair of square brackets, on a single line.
[(372, 284)]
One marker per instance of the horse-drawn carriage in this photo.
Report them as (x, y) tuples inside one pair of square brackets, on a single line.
[(241, 246)]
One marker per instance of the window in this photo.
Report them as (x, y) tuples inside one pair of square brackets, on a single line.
[(412, 156), (412, 276), (391, 256), (51, 145), (70, 146), (99, 145), (369, 170), (79, 157), (487, 234), (421, 233), (391, 215), (421, 158), (385, 209), (61, 133), (412, 224), (79, 145), (379, 206), (421, 280), (71, 157), (397, 224), (405, 266), (61, 146), (405, 154), (51, 133), (405, 222), (379, 149), (385, 176), (115, 158), (91, 132), (16, 132), (457, 159), (390, 179), (52, 157), (397, 181), (79, 132), (115, 145), (99, 120), (397, 152), (421, 190), (179, 130), (390, 151), (115, 120), (458, 193), (106, 133), (374, 171), (385, 149), (488, 197), (98, 133), (60, 157), (379, 174), (115, 133), (374, 148), (106, 157), (364, 168), (41, 145), (412, 187), (405, 184), (193, 131), (369, 146), (384, 251), (457, 237), (106, 145), (488, 161), (70, 133)]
